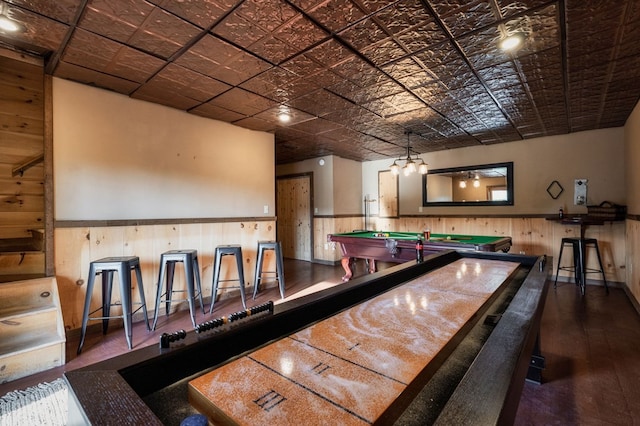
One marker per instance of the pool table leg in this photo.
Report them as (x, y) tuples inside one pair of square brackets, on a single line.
[(346, 265), (372, 265)]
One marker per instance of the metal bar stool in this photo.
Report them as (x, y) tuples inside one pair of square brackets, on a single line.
[(107, 266), (279, 272), (228, 250), (168, 260), (579, 267)]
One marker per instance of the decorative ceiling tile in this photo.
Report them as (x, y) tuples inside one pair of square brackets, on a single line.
[(114, 22), (109, 57), (363, 34), (163, 34), (243, 102), (203, 13), (178, 80), (41, 35), (94, 78), (210, 110), (216, 58), (464, 17), (334, 15), (357, 73), (61, 10)]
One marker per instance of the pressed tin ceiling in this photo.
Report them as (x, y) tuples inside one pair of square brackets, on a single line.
[(355, 74)]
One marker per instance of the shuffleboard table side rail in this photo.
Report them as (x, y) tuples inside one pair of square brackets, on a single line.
[(488, 395), (149, 369)]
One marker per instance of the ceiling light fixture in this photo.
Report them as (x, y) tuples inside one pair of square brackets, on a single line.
[(511, 42), (411, 164), (6, 23), (476, 181), (284, 115)]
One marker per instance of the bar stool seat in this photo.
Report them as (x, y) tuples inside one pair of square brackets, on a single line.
[(107, 267), (278, 273), (220, 252), (579, 266), (168, 260)]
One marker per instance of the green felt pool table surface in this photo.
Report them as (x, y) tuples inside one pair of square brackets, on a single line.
[(413, 236), (398, 247)]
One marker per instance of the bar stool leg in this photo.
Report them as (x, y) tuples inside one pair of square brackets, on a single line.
[(606, 287), (188, 272), (171, 268), (125, 293), (159, 293), (216, 278), (258, 274), (196, 269), (141, 293), (555, 283), (87, 306), (581, 262), (280, 268), (241, 278), (107, 285)]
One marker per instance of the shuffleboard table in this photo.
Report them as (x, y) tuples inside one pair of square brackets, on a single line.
[(384, 333), (399, 247)]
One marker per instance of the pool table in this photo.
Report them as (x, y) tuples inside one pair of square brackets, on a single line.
[(400, 247)]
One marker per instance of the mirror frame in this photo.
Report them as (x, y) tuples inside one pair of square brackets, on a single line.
[(510, 192)]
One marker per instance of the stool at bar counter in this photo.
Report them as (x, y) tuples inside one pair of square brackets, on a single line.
[(579, 246), (220, 252), (106, 267), (168, 260), (279, 272), (579, 267)]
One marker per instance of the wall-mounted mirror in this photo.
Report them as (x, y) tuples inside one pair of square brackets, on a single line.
[(481, 185)]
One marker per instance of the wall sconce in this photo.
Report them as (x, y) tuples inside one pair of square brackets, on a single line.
[(411, 164)]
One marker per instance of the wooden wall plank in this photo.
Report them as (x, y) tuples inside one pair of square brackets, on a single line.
[(21, 187), (21, 139), (75, 248)]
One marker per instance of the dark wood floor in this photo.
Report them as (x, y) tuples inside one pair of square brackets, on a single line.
[(591, 345)]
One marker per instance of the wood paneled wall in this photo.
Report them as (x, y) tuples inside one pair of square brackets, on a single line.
[(633, 260), (535, 236), (21, 145), (76, 247)]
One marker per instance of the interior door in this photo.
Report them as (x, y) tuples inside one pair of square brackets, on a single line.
[(293, 201)]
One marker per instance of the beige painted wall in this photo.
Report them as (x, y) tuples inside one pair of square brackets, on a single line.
[(632, 175), (347, 191), (336, 172), (322, 180), (632, 160), (121, 158), (594, 155)]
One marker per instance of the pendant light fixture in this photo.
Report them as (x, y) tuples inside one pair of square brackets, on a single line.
[(411, 163)]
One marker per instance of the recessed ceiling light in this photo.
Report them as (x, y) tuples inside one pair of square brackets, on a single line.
[(284, 115), (512, 42), (7, 24)]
